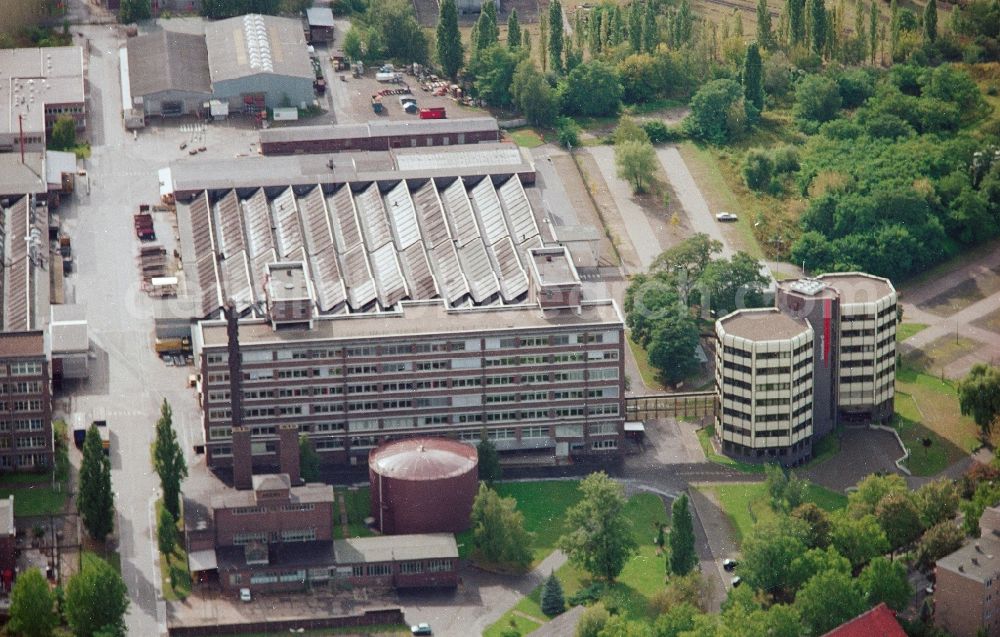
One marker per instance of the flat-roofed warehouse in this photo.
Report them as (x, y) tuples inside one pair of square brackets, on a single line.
[(378, 135), (37, 86), (249, 62)]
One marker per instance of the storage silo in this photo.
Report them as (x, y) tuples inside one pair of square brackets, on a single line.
[(423, 485)]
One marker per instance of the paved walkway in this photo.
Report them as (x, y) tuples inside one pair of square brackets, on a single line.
[(958, 324), (695, 207)]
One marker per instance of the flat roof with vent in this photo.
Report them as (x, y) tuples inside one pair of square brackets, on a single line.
[(32, 78), (809, 287), (287, 281), (978, 560)]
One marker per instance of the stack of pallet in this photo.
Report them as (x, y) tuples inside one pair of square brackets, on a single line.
[(152, 262)]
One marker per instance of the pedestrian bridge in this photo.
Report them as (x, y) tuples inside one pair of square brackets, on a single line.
[(696, 404)]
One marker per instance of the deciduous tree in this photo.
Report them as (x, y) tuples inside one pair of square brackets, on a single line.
[(930, 21), (979, 396), (168, 460), (130, 11), (871, 490), (636, 162), (63, 135), (711, 109), (885, 581), (683, 557), (765, 36), (936, 542), (490, 470), (96, 600), (592, 89), (498, 529), (795, 9), (828, 600), (818, 523), (166, 532), (899, 518), (533, 95), (450, 53), (31, 612), (768, 553), (937, 501), (600, 540), (753, 79), (672, 345), (95, 500), (308, 460), (818, 28), (858, 539)]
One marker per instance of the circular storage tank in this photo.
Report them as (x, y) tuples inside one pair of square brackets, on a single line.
[(423, 485)]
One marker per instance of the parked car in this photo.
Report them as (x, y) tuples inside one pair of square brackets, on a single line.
[(422, 628), (729, 564), (245, 595), (736, 581), (726, 216)]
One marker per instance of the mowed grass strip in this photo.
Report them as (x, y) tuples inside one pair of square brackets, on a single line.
[(747, 504)]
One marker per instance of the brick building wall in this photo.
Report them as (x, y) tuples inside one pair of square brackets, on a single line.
[(25, 403)]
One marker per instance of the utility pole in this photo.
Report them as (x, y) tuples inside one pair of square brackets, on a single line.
[(20, 126)]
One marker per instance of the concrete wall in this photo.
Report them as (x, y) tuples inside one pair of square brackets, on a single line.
[(192, 102), (958, 604)]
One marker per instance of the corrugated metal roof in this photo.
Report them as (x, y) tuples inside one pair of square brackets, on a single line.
[(459, 212), (17, 291), (517, 210), (320, 16), (258, 225), (260, 262), (207, 270), (487, 206), (286, 222), (206, 265), (419, 278), (326, 279), (448, 272), (430, 215), (236, 269), (227, 210), (201, 227), (383, 128), (371, 214), (168, 61), (513, 280), (496, 156), (477, 269), (402, 216), (525, 246), (252, 44), (315, 221), (388, 278), (346, 231), (358, 278)]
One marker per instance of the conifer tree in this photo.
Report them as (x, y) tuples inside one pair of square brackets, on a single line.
[(872, 30), (553, 602), (650, 36), (753, 78), (95, 500), (765, 37), (796, 21), (818, 26), (635, 26), (930, 21), (682, 553)]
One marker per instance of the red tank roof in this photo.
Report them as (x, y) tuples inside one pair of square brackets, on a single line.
[(423, 459)]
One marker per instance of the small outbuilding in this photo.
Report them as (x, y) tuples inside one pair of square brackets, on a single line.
[(423, 485), (320, 24)]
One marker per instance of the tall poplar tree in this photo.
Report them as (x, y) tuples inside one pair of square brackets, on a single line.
[(594, 31), (682, 553), (873, 30), (513, 30), (168, 460), (930, 21), (650, 35), (893, 28), (95, 500), (449, 40), (635, 26), (796, 21), (556, 36), (764, 35), (543, 40), (753, 78), (817, 14)]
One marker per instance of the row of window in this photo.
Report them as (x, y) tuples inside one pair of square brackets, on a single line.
[(25, 368), (20, 405), (29, 387)]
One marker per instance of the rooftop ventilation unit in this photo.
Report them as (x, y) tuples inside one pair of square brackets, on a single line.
[(809, 287)]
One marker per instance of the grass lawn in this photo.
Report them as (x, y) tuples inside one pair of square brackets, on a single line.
[(990, 322), (646, 370), (642, 576), (358, 504), (941, 352), (526, 137), (112, 558), (522, 624), (705, 438), (13, 479), (934, 404), (746, 503), (906, 330), (923, 461), (827, 448), (35, 500), (176, 563)]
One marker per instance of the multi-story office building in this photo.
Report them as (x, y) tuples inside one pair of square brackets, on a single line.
[(25, 402), (764, 362), (850, 371), (545, 377), (967, 595)]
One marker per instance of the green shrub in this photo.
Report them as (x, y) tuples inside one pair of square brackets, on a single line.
[(786, 159), (757, 170)]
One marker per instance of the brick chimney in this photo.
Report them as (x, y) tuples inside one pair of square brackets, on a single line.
[(242, 456), (242, 459), (288, 452)]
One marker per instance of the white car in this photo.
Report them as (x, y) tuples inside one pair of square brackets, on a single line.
[(422, 628), (245, 595), (725, 216)]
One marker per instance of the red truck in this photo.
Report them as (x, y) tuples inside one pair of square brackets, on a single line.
[(436, 112), (144, 227)]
